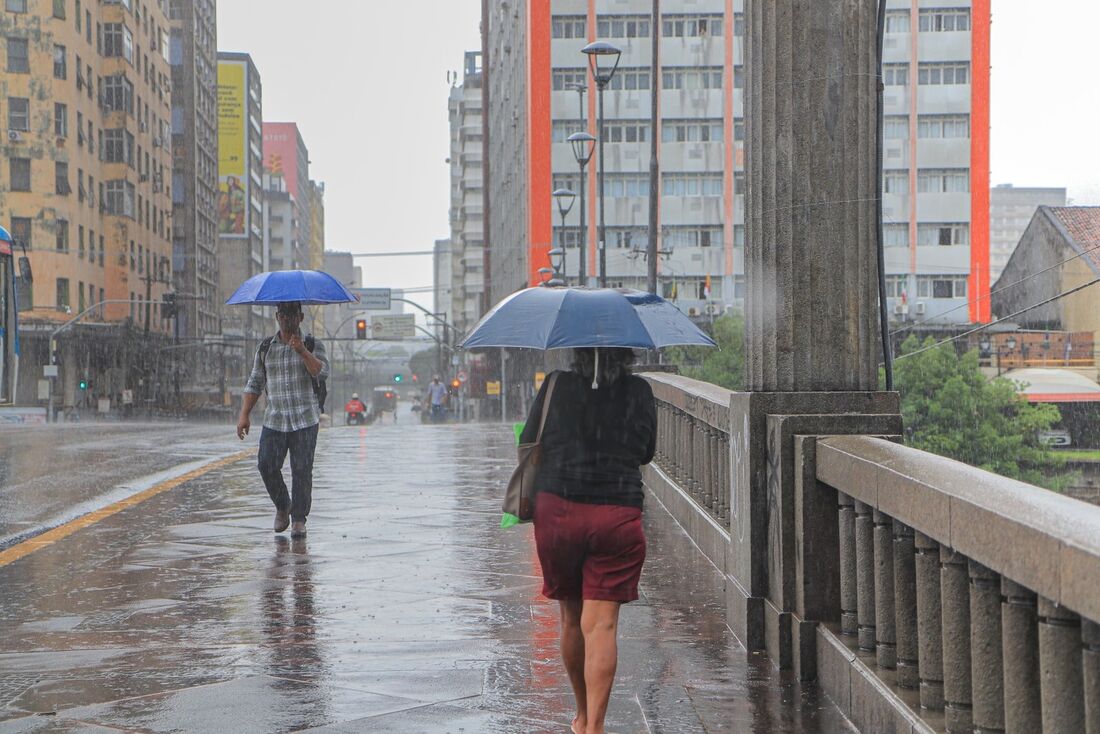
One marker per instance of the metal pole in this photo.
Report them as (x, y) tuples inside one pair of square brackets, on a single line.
[(504, 385), (603, 195), (582, 271), (654, 165), (561, 243)]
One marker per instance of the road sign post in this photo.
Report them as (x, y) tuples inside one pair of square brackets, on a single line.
[(393, 326)]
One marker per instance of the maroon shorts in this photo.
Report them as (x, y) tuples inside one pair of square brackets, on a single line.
[(588, 551)]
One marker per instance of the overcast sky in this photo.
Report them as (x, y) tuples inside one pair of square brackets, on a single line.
[(367, 83)]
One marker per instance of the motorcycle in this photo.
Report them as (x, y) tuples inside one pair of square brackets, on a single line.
[(356, 418)]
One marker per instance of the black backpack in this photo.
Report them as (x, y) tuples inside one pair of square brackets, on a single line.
[(320, 386)]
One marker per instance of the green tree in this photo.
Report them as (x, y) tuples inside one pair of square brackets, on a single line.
[(724, 366), (950, 408)]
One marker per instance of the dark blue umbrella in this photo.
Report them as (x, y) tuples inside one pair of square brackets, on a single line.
[(557, 318), (310, 287)]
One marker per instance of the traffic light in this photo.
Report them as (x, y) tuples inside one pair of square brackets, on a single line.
[(360, 328), (456, 383), (398, 377), (416, 378), (83, 384)]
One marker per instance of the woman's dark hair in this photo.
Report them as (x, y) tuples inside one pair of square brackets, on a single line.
[(615, 363)]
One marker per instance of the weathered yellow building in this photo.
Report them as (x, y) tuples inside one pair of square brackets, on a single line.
[(87, 152)]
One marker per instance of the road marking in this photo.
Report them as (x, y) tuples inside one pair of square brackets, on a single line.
[(63, 531)]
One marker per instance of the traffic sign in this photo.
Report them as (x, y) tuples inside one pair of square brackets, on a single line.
[(462, 376), (393, 326), (372, 299), (492, 387)]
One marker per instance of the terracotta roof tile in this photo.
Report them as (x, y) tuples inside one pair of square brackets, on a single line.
[(1083, 225)]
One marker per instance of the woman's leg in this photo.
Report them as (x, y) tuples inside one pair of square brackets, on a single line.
[(600, 626), (572, 654)]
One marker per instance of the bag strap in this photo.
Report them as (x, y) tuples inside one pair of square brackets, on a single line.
[(546, 404)]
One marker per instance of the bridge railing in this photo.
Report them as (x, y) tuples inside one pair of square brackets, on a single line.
[(923, 594)]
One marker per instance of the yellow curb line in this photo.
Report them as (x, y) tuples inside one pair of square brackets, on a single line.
[(63, 531)]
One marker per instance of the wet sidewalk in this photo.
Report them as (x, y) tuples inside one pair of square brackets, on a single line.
[(405, 610)]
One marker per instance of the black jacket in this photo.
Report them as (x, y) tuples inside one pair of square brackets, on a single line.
[(595, 441)]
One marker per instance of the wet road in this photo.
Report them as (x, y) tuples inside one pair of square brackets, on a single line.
[(405, 610)]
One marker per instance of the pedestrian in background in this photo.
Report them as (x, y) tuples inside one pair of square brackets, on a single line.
[(286, 370), (437, 399), (601, 427)]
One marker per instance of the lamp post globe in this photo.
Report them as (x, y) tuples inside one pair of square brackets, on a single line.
[(583, 145), (565, 199)]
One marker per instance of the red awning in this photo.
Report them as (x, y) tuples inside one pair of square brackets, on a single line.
[(1062, 397)]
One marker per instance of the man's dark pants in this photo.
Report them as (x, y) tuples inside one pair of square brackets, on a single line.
[(274, 446)]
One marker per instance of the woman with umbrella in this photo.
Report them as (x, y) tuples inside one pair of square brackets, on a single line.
[(600, 428)]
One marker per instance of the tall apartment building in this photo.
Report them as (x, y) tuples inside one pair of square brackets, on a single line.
[(194, 59), (1010, 211), (467, 240), (540, 92), (282, 248), (442, 285), (287, 158), (240, 188)]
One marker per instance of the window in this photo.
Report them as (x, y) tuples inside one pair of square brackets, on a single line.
[(61, 178), (895, 182), (739, 24), (944, 235), (943, 126), (691, 26), (626, 238), (118, 146), (62, 294), (118, 93), (895, 286), (897, 21), (939, 20), (19, 169), (739, 235), (691, 131), (630, 79), (19, 113), (692, 77), (101, 260), (625, 185), (895, 75), (60, 68), (77, 18), (120, 198), (570, 235), (21, 231), (626, 131), (59, 9), (118, 41), (571, 181), (18, 56), (739, 130), (692, 184), (680, 236), (62, 235), (80, 240), (566, 79), (932, 74), (568, 26), (895, 127), (564, 128), (895, 235), (16, 6), (943, 181), (81, 303), (623, 26)]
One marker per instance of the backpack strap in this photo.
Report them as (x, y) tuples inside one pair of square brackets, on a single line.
[(310, 342)]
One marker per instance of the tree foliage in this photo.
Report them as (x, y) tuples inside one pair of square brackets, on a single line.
[(724, 366), (950, 408)]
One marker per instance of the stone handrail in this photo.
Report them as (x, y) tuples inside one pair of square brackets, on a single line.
[(693, 439), (975, 593)]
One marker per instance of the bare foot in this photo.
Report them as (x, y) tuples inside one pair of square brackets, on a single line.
[(579, 725)]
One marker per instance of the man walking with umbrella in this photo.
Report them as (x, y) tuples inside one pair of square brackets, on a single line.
[(287, 367)]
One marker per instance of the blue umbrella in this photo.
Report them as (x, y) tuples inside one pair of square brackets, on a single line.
[(557, 318), (310, 287)]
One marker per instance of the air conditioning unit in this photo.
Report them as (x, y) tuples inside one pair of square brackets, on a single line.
[(156, 142), (14, 136), (900, 309), (693, 311), (920, 308), (713, 309)]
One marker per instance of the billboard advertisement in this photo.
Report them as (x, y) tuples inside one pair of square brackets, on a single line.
[(232, 149), (281, 153)]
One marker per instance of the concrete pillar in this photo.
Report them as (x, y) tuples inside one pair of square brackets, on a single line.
[(929, 624), (1020, 643), (1060, 668), (955, 604), (986, 660), (848, 596), (810, 256), (905, 606), (865, 577), (1090, 663), (885, 629)]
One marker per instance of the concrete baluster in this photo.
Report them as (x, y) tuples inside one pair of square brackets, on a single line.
[(986, 660), (929, 625), (955, 605), (905, 606), (1060, 670), (725, 476), (849, 624), (1090, 665), (885, 629), (865, 576), (696, 460), (709, 473), (1020, 645)]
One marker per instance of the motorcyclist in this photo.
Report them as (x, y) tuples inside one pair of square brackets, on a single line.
[(355, 409)]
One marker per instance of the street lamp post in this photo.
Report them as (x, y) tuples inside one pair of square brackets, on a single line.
[(565, 199), (603, 61), (582, 143)]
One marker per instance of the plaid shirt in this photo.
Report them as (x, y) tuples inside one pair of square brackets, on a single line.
[(291, 402)]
